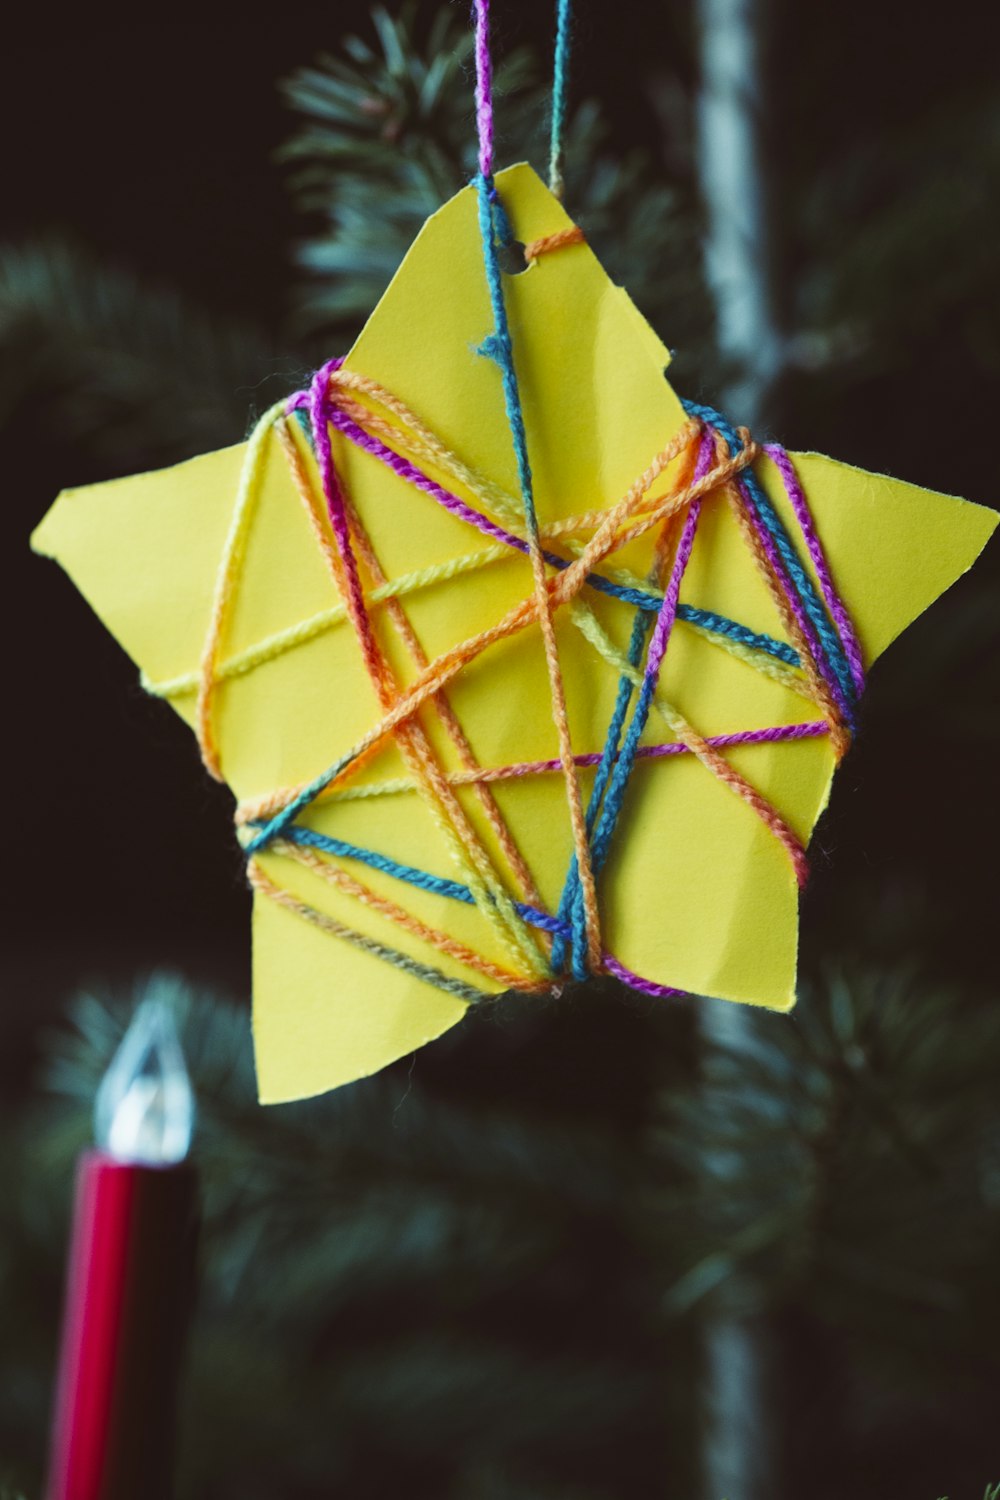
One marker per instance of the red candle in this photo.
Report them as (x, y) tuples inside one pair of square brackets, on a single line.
[(130, 1278)]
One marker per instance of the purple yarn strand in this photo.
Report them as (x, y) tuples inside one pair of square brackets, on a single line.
[(812, 729), (777, 734), (636, 982), (834, 603), (484, 87), (805, 624), (668, 609), (421, 481), (316, 405)]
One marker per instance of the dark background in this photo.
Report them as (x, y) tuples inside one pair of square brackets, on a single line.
[(152, 145)]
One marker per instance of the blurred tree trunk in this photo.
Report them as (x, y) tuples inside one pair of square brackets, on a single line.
[(739, 1438), (739, 246)]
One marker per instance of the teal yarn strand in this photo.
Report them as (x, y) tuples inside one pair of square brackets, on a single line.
[(560, 92), (811, 603), (734, 631), (437, 885), (498, 345), (570, 908)]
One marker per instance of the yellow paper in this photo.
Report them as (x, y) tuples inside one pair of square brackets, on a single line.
[(697, 893)]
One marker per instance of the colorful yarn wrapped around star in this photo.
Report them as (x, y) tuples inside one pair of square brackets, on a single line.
[(543, 948)]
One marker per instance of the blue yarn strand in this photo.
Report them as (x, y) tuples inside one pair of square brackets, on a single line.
[(812, 604), (437, 885), (733, 631), (560, 92), (498, 346), (571, 903), (281, 825)]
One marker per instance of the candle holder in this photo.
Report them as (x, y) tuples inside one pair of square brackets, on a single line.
[(130, 1276)]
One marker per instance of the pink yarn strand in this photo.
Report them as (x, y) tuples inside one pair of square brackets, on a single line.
[(484, 87)]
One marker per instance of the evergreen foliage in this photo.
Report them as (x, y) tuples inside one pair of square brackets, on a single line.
[(386, 137), (124, 367), (476, 1295)]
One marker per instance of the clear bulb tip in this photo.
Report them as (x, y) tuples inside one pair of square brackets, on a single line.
[(144, 1111)]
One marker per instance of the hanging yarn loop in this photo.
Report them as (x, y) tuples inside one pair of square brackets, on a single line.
[(706, 463), (498, 346)]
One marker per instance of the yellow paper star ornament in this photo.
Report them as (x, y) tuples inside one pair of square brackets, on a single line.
[(355, 615)]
